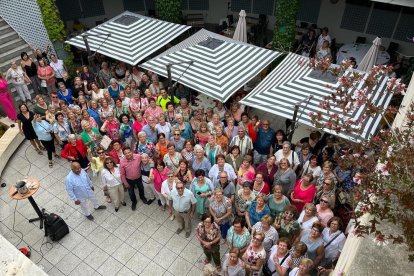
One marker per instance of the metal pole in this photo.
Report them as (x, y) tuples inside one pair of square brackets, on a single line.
[(91, 59), (293, 125), (88, 49), (171, 89)]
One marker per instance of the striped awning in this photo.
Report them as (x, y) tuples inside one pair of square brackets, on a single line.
[(293, 82), (129, 37), (218, 67)]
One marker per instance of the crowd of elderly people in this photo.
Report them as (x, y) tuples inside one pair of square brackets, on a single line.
[(271, 203)]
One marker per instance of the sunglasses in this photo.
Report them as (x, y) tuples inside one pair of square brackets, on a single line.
[(54, 97), (176, 134), (109, 162), (327, 183), (325, 201), (182, 188)]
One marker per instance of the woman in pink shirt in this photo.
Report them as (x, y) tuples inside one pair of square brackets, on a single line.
[(303, 192), (138, 124), (157, 176), (153, 110), (323, 210)]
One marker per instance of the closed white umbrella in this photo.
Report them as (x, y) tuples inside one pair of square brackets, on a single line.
[(240, 33), (370, 58)]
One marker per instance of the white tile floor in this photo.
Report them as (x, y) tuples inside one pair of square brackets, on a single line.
[(123, 243)]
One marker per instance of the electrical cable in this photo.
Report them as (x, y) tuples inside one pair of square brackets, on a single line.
[(21, 234)]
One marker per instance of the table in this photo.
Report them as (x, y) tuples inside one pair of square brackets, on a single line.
[(358, 52), (35, 187), (229, 32)]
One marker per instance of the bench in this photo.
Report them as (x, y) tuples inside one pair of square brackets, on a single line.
[(195, 20)]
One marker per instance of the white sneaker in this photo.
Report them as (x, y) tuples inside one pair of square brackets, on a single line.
[(172, 217)]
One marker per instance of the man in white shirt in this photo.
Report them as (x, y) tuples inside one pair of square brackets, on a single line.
[(80, 189), (183, 203)]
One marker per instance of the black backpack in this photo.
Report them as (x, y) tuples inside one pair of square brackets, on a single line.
[(55, 227)]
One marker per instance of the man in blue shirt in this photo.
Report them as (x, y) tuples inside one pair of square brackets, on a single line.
[(264, 143), (79, 187)]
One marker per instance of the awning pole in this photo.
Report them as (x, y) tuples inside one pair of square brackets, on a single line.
[(171, 89), (293, 124), (91, 59)]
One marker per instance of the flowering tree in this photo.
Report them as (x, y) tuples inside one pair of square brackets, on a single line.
[(386, 188)]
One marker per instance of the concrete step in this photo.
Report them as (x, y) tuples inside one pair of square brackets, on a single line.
[(5, 47), (4, 66), (2, 22), (5, 29), (8, 37), (13, 53)]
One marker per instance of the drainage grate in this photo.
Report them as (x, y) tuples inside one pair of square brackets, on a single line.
[(211, 43), (126, 20)]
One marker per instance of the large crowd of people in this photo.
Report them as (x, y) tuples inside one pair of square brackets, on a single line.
[(274, 204)]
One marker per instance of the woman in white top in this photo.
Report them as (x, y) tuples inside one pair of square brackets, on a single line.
[(166, 187), (333, 240), (311, 166), (97, 93), (289, 154), (308, 216), (58, 67), (304, 268), (19, 79), (277, 263), (111, 177)]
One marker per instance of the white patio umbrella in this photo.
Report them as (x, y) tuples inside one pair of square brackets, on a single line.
[(240, 33), (370, 58)]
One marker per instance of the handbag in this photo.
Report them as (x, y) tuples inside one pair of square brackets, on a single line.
[(266, 271), (43, 83), (105, 142)]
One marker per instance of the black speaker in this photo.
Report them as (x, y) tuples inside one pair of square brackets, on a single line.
[(55, 227)]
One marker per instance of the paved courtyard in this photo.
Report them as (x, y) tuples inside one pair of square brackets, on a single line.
[(141, 242)]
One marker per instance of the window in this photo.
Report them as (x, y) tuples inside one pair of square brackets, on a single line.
[(264, 7), (198, 4), (383, 19), (355, 15), (238, 5), (133, 5), (68, 10), (309, 10), (92, 8), (184, 5), (150, 4), (405, 27)]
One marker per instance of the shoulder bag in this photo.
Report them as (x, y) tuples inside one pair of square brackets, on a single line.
[(266, 271)]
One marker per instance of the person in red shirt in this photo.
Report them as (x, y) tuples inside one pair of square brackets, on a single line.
[(116, 152), (259, 186), (252, 128), (303, 192), (75, 150)]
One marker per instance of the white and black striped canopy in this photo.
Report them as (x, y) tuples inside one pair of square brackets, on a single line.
[(220, 65), (293, 81), (129, 37)]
